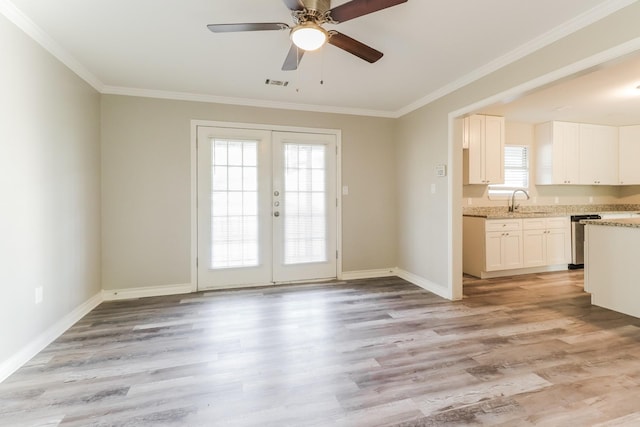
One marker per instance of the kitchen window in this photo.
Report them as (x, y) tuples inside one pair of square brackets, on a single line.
[(516, 171)]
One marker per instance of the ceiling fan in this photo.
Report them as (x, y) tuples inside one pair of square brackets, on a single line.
[(307, 33)]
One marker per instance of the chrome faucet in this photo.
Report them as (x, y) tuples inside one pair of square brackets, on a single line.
[(512, 206)]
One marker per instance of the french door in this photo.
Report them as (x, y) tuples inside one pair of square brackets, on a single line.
[(267, 207)]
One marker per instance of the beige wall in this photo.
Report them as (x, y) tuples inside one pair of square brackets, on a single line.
[(429, 226), (146, 186), (523, 134), (54, 175), (49, 187)]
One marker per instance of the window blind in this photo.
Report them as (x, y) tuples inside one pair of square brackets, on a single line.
[(516, 170)]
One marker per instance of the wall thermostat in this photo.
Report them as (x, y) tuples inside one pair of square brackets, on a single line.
[(441, 170)]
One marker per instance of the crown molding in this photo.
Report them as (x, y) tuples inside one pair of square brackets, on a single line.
[(22, 21), (561, 31), (17, 17), (185, 96)]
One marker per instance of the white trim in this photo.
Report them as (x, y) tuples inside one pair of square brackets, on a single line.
[(246, 102), (17, 17), (368, 274), (38, 344), (577, 67), (22, 21), (454, 208), (455, 147), (339, 203), (263, 126), (425, 284), (147, 291), (272, 128), (520, 271), (561, 31)]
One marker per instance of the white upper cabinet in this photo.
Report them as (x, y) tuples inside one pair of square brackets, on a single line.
[(558, 152), (629, 155), (598, 155), (484, 158)]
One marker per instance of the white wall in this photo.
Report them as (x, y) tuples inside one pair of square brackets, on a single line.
[(49, 191), (429, 234), (146, 186)]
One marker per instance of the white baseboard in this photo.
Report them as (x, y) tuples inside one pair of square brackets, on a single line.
[(12, 364), (148, 291), (29, 351), (368, 274), (519, 271), (425, 284)]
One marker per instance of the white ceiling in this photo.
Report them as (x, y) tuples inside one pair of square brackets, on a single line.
[(431, 46), (607, 95)]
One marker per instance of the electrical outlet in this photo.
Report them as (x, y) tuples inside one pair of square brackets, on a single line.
[(433, 189), (557, 200), (469, 201), (590, 199), (39, 295), (345, 190)]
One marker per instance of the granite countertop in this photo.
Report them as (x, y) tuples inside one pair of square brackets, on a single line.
[(515, 215), (622, 222), (545, 211)]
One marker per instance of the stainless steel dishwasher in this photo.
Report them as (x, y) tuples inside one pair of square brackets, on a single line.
[(577, 240)]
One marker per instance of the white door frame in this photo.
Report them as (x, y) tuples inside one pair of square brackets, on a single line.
[(277, 128), (454, 179)]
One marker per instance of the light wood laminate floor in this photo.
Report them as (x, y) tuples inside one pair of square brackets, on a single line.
[(515, 352)]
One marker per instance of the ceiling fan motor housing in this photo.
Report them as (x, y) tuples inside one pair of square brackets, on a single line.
[(317, 5), (308, 33)]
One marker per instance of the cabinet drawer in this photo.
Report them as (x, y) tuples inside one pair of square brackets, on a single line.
[(545, 223), (503, 225), (559, 222), (534, 223)]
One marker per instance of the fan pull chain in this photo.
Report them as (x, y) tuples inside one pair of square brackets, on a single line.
[(322, 66), (298, 71)]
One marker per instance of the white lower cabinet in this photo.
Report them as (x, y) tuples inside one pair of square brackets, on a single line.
[(534, 248), (546, 241), (503, 250), (491, 246)]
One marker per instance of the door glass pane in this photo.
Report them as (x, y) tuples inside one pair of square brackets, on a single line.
[(234, 204), (305, 237)]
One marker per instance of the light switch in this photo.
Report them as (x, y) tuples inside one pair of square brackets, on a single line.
[(433, 189), (345, 190)]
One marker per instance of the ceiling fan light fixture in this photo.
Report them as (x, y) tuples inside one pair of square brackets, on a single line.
[(309, 36)]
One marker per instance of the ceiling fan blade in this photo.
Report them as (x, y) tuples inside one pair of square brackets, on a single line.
[(232, 28), (356, 8), (354, 47), (293, 58), (294, 4)]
